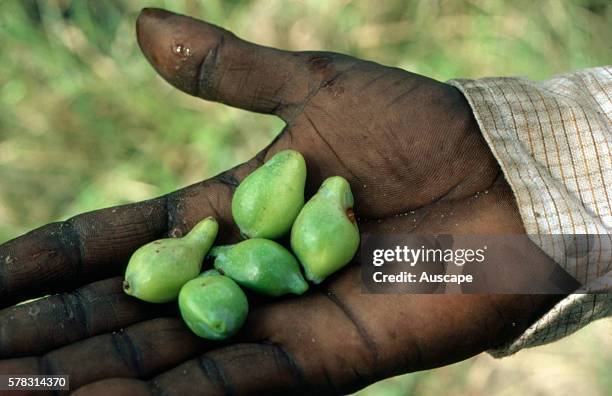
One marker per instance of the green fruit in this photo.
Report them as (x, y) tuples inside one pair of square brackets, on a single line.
[(261, 265), (209, 272), (157, 271), (268, 200), (325, 236), (213, 306)]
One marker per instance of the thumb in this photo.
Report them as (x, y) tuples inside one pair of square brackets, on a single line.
[(206, 61)]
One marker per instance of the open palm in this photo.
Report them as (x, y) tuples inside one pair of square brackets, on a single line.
[(408, 145)]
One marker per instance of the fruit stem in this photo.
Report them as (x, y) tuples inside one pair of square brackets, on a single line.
[(338, 187), (219, 251), (204, 231)]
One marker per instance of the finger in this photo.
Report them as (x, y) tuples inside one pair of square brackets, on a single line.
[(61, 319), (241, 369), (139, 351), (96, 245), (57, 256), (212, 63)]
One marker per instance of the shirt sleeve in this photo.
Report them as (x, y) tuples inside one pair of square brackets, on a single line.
[(553, 142)]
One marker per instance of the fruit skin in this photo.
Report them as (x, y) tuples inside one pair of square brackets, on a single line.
[(261, 265), (209, 272), (213, 306), (325, 236), (268, 200), (157, 271)]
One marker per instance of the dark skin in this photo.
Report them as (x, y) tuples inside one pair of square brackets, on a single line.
[(405, 143)]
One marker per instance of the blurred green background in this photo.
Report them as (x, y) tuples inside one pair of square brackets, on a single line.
[(85, 122)]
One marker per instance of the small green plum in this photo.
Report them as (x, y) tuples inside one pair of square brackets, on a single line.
[(267, 201), (157, 271), (325, 236), (213, 306), (261, 265)]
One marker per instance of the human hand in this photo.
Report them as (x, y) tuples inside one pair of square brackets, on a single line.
[(405, 142)]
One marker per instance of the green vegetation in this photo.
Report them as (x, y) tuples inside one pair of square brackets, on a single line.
[(85, 123)]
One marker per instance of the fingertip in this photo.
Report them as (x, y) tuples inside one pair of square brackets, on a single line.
[(157, 12), (175, 45), (147, 17)]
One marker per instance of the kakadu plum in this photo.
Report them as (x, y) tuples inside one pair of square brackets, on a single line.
[(261, 265), (267, 201), (213, 306), (157, 271), (325, 236)]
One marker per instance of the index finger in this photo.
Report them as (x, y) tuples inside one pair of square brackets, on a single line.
[(61, 256)]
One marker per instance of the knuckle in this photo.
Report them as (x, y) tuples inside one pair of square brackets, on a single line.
[(127, 351)]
